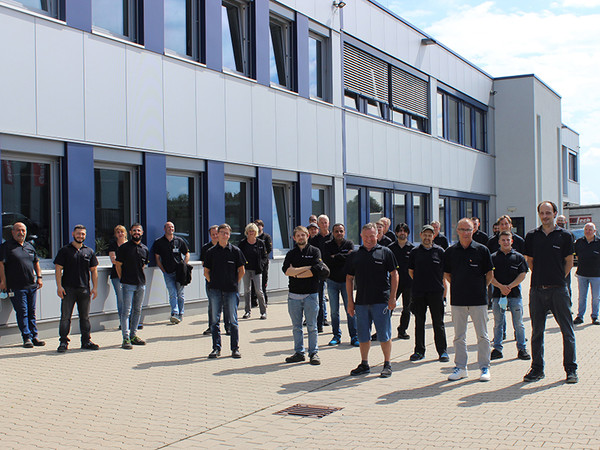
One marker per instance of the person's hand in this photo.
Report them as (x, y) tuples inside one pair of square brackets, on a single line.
[(61, 292), (351, 309), (392, 304), (505, 290), (40, 283), (94, 293)]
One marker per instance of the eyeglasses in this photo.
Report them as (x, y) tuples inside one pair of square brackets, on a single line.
[(465, 230)]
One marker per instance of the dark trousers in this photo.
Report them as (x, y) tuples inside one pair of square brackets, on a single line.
[(23, 302), (558, 301), (81, 296), (405, 315), (435, 302), (265, 280), (322, 310)]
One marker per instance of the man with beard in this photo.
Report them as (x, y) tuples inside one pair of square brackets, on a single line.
[(401, 248), (505, 224), (73, 265), (438, 236), (478, 235)]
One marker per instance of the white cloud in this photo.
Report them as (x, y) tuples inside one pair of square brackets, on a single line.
[(589, 198), (579, 3)]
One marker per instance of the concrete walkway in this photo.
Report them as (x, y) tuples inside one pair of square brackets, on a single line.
[(168, 394)]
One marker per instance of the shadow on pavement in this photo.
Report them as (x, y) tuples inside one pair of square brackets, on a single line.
[(330, 384), (506, 394)]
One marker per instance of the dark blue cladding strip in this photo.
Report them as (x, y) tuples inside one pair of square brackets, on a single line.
[(264, 181), (304, 197), (262, 36), (154, 196), (213, 42), (154, 25), (78, 14), (302, 63), (214, 189)]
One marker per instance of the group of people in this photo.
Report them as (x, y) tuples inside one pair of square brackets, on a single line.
[(369, 279)]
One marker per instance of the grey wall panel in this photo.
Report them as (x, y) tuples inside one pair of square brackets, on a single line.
[(144, 99), (238, 125), (59, 81), (264, 136), (352, 162), (105, 93), (17, 85), (210, 114), (180, 107), (286, 120), (308, 159), (328, 150), (336, 70)]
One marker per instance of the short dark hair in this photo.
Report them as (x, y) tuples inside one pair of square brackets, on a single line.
[(79, 227), (505, 216), (259, 223), (505, 233), (554, 207), (338, 225), (224, 226), (402, 227), (136, 224)]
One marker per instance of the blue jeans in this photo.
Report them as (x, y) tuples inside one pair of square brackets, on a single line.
[(133, 296), (334, 289), (515, 304), (377, 314), (584, 283), (23, 302), (118, 294), (309, 305), (558, 301), (175, 294), (228, 303)]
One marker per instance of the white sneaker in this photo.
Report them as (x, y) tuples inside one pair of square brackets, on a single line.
[(458, 374), (485, 374)]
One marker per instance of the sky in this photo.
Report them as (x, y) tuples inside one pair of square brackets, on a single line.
[(558, 41)]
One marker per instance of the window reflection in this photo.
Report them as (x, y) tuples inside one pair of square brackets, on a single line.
[(282, 209), (318, 201), (376, 205), (235, 36), (419, 214), (112, 190), (236, 208), (353, 215), (316, 67), (280, 52), (181, 27), (399, 209), (180, 208), (49, 7), (115, 16)]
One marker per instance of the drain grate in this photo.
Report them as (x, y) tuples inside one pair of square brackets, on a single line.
[(308, 410)]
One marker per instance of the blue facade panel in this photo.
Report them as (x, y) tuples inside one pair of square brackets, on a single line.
[(78, 14), (304, 198), (262, 36), (154, 197), (78, 191), (213, 44), (214, 193), (154, 25), (302, 63), (264, 196)]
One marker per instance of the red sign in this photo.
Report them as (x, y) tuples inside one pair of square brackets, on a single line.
[(579, 220)]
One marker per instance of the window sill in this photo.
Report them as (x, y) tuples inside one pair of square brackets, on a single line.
[(239, 75), (321, 101), (112, 37), (182, 58), (280, 88), (32, 13)]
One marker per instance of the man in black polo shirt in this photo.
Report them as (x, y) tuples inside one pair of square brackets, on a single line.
[(266, 238), (302, 265), (426, 268), (549, 253), (401, 248), (505, 224), (18, 262), (170, 251), (223, 269), (387, 224), (587, 250), (335, 253), (131, 259), (73, 265), (382, 239), (214, 239), (478, 235), (374, 269), (468, 269), (319, 241), (510, 269), (438, 236)]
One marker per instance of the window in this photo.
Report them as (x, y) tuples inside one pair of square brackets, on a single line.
[(182, 27), (468, 205), (353, 208), (281, 56), (453, 124), (454, 218), (440, 114), (482, 214), (350, 100), (319, 201), (317, 65), (419, 213), (181, 201), (399, 209), (283, 217), (460, 122), (235, 20), (113, 204), (48, 7), (376, 205), (441, 215), (27, 198), (237, 207), (573, 169), (118, 17)]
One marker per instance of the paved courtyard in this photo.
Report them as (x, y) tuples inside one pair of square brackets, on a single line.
[(168, 394)]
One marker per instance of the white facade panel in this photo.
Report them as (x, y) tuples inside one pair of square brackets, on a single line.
[(264, 135), (336, 70), (180, 107), (238, 126), (210, 114), (328, 150), (59, 81), (286, 119), (145, 104), (308, 150), (17, 85), (105, 91)]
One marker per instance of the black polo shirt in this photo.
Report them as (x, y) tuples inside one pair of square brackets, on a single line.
[(76, 265), (588, 257), (391, 235), (480, 237), (266, 238), (255, 254), (401, 255), (319, 241), (335, 256), (385, 241), (441, 240), (548, 253), (507, 267), (428, 267), (371, 272), (133, 258), (206, 247), (518, 244), (468, 267), (19, 261), (308, 256), (171, 252), (223, 263)]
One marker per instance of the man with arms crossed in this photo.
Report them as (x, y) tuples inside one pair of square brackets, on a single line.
[(549, 253), (375, 270)]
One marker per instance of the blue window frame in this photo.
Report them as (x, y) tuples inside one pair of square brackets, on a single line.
[(182, 28), (461, 122)]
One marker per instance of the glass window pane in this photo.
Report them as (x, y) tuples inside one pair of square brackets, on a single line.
[(318, 201), (47, 6), (233, 29), (468, 208), (442, 214), (482, 214), (452, 119), (281, 211), (373, 108), (236, 215), (467, 118), (111, 15), (279, 53), (454, 217), (440, 114), (376, 205), (180, 208), (350, 100), (353, 214), (419, 214), (26, 198), (315, 67), (479, 131), (179, 27), (399, 208), (113, 204), (398, 117)]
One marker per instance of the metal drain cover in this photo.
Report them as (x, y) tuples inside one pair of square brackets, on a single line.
[(308, 410)]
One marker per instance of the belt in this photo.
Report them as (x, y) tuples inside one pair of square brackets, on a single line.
[(549, 286)]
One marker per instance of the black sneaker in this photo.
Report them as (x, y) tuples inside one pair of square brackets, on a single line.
[(89, 345), (374, 337), (207, 332), (215, 353), (578, 321), (27, 343), (403, 335), (595, 322), (496, 354), (325, 322), (315, 360), (236, 354), (296, 357), (416, 356), (62, 347), (533, 375), (523, 355), (361, 369), (572, 377), (37, 343), (386, 372)]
